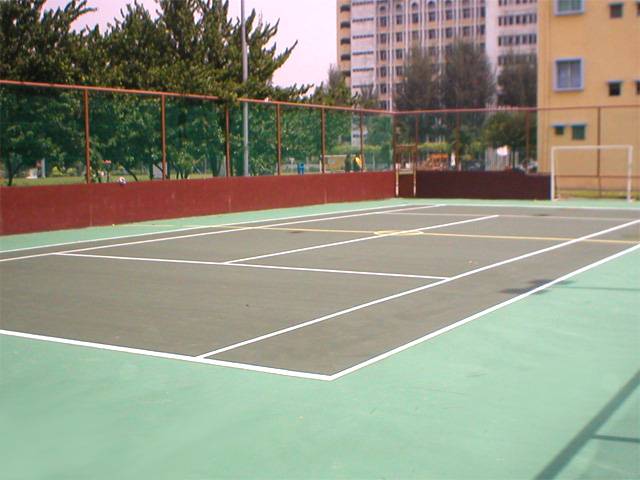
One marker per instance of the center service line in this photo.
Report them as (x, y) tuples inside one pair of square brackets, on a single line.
[(362, 239), (417, 289)]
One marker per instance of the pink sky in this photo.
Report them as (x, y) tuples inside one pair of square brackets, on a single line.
[(311, 22)]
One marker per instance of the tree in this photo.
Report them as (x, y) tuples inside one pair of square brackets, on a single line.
[(40, 46), (517, 82), (510, 129), (419, 89), (467, 78), (335, 91)]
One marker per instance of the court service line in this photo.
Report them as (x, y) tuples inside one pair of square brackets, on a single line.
[(504, 215), (200, 227), (415, 290), (482, 313), (193, 235), (172, 356), (247, 265), (361, 239)]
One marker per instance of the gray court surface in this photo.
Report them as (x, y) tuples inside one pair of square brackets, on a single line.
[(320, 295)]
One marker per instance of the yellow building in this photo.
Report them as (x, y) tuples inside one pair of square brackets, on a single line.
[(589, 80)]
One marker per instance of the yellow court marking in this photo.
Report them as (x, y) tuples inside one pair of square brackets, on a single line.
[(404, 233)]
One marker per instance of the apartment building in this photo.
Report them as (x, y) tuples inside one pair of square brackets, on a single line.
[(511, 29), (375, 36), (589, 57)]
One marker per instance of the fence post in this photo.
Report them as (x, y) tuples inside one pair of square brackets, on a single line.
[(278, 138), (527, 127), (457, 149), (87, 136), (163, 123), (393, 153), (599, 141), (364, 161), (227, 141), (323, 132)]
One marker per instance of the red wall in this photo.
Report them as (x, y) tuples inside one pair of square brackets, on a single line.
[(33, 209), (508, 185)]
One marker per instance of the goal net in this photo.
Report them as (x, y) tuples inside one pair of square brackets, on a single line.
[(593, 171)]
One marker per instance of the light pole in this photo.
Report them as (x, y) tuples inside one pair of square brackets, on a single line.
[(245, 105)]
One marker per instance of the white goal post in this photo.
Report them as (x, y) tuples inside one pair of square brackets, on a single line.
[(628, 148)]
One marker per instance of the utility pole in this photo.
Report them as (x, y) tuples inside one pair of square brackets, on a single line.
[(245, 105)]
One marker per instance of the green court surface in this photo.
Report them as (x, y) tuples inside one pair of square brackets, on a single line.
[(540, 379)]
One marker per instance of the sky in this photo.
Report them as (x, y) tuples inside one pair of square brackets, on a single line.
[(311, 22)]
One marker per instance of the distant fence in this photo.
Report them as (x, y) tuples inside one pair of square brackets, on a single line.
[(66, 134)]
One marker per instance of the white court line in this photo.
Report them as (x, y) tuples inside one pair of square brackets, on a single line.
[(415, 290), (475, 316), (502, 215), (247, 265), (566, 207), (193, 235), (172, 356), (361, 239), (200, 227)]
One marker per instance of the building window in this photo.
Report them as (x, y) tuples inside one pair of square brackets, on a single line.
[(615, 10), (466, 13), (432, 34), (399, 36), (382, 38), (558, 129), (448, 15), (432, 16), (399, 20), (415, 35), (569, 74), (382, 21), (383, 72), (637, 87), (383, 54), (399, 53), (448, 32), (399, 70), (383, 88), (345, 8), (345, 41), (615, 88), (345, 57), (638, 8), (345, 25), (568, 7), (415, 18), (578, 131)]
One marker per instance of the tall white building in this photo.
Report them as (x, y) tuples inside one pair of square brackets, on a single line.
[(375, 36)]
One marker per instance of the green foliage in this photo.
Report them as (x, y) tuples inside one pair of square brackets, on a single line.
[(419, 89), (467, 79), (517, 82), (40, 46)]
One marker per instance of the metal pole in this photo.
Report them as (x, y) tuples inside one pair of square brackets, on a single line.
[(87, 137), (227, 141), (527, 126), (598, 153), (245, 105), (278, 138), (393, 154), (323, 132), (163, 123), (457, 149), (364, 163)]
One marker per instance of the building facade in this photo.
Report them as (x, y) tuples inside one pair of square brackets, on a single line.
[(589, 57), (375, 36)]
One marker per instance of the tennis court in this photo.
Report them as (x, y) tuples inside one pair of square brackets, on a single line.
[(327, 295)]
